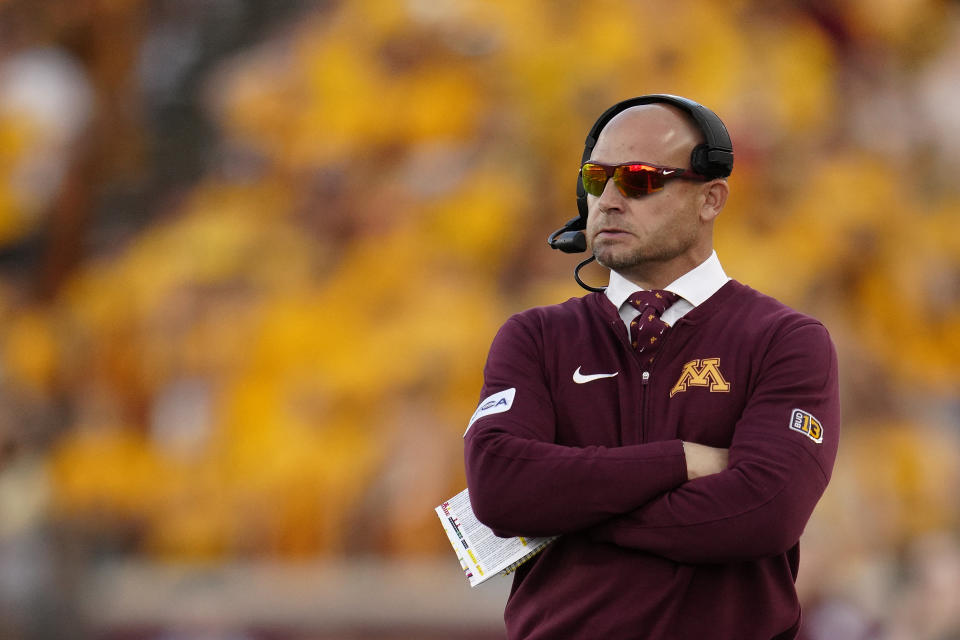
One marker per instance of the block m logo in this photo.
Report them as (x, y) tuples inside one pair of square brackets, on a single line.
[(701, 373)]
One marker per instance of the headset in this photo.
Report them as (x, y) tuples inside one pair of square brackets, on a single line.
[(712, 158)]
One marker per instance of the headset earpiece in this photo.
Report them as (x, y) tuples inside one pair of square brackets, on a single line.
[(698, 159)]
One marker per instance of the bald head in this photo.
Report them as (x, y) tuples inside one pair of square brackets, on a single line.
[(658, 133)]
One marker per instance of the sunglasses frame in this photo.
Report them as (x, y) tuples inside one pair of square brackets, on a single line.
[(615, 171)]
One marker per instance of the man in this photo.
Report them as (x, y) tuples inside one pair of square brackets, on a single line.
[(676, 429)]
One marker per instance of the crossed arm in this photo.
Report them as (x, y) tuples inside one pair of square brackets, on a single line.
[(682, 500)]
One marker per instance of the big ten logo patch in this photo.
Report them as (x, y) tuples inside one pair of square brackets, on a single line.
[(806, 424), (701, 373)]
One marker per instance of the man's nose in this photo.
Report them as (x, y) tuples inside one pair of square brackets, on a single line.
[(610, 199)]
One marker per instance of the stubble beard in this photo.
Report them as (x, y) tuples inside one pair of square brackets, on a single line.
[(628, 259), (653, 246)]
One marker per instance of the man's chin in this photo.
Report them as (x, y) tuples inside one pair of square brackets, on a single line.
[(616, 259)]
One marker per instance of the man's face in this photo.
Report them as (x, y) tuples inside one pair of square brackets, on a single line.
[(627, 234)]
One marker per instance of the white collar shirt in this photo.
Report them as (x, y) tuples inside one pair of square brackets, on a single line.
[(693, 287)]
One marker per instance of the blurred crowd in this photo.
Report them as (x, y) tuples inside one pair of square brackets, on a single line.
[(252, 255)]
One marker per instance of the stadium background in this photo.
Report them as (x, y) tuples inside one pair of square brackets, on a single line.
[(252, 255)]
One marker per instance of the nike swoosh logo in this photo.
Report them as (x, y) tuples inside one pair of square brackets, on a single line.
[(581, 378)]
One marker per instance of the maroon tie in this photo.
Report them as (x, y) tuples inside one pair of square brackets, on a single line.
[(647, 328)]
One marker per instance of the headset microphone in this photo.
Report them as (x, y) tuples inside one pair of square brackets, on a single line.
[(570, 238)]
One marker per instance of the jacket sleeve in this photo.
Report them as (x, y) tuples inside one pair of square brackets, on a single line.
[(777, 471), (521, 482)]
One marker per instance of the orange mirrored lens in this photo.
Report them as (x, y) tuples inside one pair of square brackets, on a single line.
[(594, 178), (637, 179)]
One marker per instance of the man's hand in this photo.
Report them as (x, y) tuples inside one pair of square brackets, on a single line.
[(703, 460)]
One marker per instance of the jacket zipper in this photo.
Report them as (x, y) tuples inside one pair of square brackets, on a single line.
[(644, 383)]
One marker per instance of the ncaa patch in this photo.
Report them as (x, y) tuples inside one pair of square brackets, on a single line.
[(806, 424), (497, 403)]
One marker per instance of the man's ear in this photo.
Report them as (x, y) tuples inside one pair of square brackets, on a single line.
[(715, 197)]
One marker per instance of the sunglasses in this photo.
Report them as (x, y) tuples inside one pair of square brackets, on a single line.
[(633, 179)]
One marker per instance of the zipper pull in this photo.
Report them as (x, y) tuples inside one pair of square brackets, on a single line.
[(646, 377)]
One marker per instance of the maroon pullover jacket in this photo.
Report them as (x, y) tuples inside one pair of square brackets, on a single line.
[(556, 449)]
